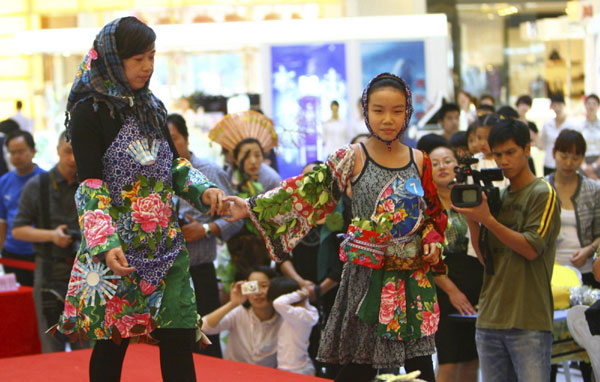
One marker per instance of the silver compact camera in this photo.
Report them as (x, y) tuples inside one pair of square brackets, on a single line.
[(250, 287)]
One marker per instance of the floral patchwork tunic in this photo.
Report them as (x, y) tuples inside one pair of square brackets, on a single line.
[(125, 199), (386, 309)]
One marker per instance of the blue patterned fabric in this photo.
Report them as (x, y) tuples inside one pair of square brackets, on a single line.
[(101, 76), (120, 171)]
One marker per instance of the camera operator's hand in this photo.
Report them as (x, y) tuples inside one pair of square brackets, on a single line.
[(579, 258), (431, 253), (461, 303), (235, 296), (60, 238), (116, 261), (480, 214)]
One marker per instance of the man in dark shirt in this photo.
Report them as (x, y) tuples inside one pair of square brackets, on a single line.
[(51, 223)]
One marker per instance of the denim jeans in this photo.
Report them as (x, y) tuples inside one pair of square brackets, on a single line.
[(507, 355)]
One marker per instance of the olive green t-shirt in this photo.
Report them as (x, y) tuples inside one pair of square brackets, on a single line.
[(519, 294)]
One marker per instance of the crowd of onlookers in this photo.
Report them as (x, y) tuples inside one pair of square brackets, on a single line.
[(278, 324)]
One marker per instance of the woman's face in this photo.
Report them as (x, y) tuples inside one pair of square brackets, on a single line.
[(567, 163), (180, 142), (463, 100), (252, 156), (139, 68), (482, 133), (259, 300), (443, 162), (387, 110)]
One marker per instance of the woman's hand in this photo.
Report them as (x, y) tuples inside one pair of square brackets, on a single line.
[(235, 296), (461, 303), (431, 253), (213, 197), (116, 261), (236, 208), (579, 258)]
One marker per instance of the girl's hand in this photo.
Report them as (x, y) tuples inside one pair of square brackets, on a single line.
[(461, 303), (431, 253), (236, 297), (116, 261), (213, 197), (236, 208), (579, 258)]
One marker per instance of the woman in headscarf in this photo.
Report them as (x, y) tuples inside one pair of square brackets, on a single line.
[(130, 279), (386, 313)]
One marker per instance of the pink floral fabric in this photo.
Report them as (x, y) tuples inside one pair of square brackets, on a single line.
[(98, 226), (150, 212)]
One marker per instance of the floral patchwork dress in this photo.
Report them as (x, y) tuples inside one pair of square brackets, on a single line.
[(131, 206), (386, 308)]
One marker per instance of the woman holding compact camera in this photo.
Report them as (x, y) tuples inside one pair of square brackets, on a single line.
[(251, 320)]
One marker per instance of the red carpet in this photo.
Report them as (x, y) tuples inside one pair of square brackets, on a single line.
[(141, 364)]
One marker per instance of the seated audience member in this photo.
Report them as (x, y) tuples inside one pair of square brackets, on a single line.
[(523, 105), (299, 317), (507, 112), (252, 328), (458, 291), (486, 158), (472, 142), (514, 323), (467, 109), (579, 197), (591, 131), (460, 144), (430, 141)]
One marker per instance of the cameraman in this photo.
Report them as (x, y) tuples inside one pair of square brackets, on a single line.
[(47, 217), (515, 317)]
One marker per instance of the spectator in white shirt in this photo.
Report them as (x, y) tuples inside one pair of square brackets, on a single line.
[(253, 329), (299, 317), (25, 123), (591, 131), (552, 128)]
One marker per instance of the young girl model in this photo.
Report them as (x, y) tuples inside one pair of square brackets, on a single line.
[(386, 312), (130, 278)]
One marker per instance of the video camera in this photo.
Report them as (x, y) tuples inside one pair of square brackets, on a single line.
[(469, 195)]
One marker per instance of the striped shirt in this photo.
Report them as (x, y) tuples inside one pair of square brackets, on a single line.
[(518, 295)]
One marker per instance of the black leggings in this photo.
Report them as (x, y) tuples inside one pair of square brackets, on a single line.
[(354, 372), (176, 362)]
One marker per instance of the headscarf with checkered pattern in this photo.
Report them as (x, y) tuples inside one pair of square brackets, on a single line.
[(101, 76)]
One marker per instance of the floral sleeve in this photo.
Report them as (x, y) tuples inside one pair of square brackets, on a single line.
[(284, 215), (435, 217), (99, 230), (190, 184)]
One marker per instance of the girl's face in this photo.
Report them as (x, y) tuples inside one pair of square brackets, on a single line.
[(482, 133), (386, 111), (259, 300), (463, 100), (567, 163), (139, 68), (252, 157), (473, 143), (180, 142), (443, 163)]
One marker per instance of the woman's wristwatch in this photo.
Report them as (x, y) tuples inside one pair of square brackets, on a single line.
[(207, 231)]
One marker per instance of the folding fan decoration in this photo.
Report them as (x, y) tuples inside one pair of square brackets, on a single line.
[(234, 128)]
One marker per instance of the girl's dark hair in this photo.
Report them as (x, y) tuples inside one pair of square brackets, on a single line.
[(488, 120), (508, 129), (508, 112), (471, 129), (8, 126), (569, 141), (237, 148), (459, 139), (280, 286), (430, 142), (179, 122), (524, 99), (133, 37), (270, 272), (385, 82), (313, 163)]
